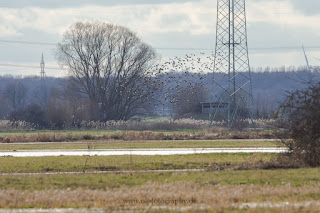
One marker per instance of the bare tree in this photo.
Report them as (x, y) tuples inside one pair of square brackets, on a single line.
[(188, 100), (265, 107), (4, 106), (16, 93), (66, 107), (111, 66)]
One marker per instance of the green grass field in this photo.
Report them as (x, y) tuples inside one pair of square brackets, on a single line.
[(221, 190), (119, 163), (294, 177), (39, 182), (119, 144)]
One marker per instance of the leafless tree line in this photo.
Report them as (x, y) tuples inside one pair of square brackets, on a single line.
[(114, 75)]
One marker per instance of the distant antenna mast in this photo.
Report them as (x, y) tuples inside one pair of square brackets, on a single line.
[(43, 87), (305, 55), (42, 73)]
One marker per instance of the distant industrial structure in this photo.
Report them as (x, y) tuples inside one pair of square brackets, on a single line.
[(43, 87), (232, 87), (42, 66)]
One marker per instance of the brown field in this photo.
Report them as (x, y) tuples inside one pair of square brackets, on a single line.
[(170, 196)]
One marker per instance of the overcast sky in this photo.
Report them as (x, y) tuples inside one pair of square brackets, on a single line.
[(161, 23)]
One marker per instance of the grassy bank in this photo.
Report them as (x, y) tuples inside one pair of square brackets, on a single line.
[(120, 144), (292, 177), (118, 163), (186, 134)]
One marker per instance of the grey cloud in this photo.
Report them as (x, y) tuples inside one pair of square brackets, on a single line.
[(260, 35), (75, 3), (176, 19), (272, 35), (307, 7)]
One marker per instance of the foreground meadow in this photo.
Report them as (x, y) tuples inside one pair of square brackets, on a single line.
[(279, 190), (208, 182), (191, 183)]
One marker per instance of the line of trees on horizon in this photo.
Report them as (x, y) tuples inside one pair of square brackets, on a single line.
[(64, 107), (114, 75)]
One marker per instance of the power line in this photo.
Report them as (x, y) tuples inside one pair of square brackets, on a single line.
[(27, 42), (284, 47), (50, 68), (169, 48), (184, 48), (28, 66)]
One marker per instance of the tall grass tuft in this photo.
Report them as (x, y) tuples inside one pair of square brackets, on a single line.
[(15, 125)]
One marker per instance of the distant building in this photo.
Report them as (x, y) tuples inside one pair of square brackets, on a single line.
[(208, 107), (166, 112)]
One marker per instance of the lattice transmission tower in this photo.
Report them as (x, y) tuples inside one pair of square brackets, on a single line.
[(232, 86), (43, 87), (42, 73)]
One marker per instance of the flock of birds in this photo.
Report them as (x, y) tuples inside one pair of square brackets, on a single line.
[(179, 81)]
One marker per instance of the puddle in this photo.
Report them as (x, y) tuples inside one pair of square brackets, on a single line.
[(113, 152)]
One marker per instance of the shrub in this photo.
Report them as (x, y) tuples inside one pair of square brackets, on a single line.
[(7, 140), (32, 114), (302, 110), (88, 137)]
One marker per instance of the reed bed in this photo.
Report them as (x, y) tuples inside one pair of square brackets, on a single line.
[(171, 124), (15, 125)]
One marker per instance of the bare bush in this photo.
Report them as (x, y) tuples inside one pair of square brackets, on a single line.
[(33, 113), (302, 109)]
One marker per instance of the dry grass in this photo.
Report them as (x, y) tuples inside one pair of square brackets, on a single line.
[(174, 124), (144, 125), (184, 129), (43, 137), (206, 197), (276, 162), (210, 134), (15, 125)]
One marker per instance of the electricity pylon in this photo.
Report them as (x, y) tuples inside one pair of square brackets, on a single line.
[(42, 66), (232, 97), (43, 87)]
